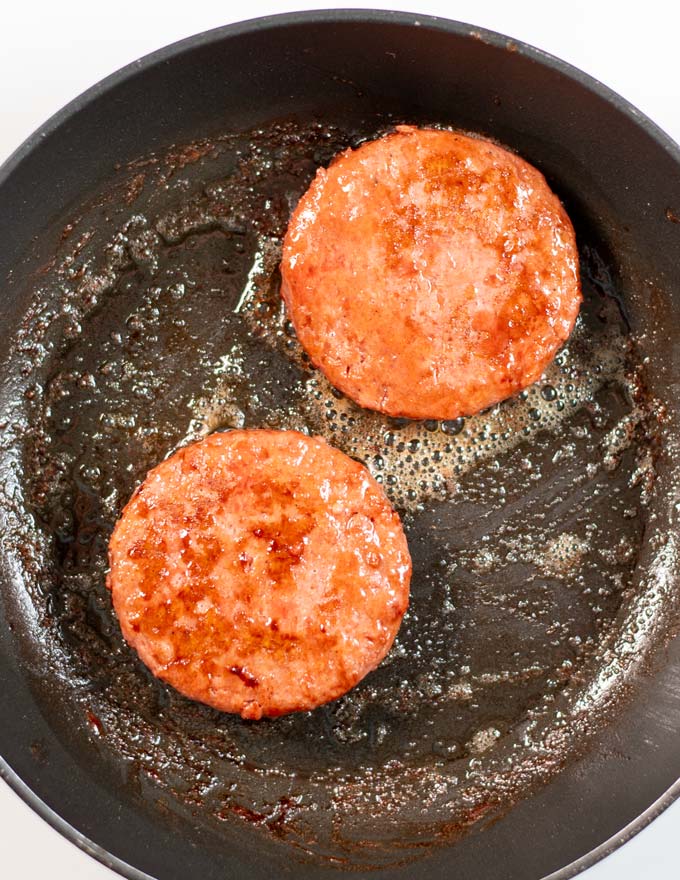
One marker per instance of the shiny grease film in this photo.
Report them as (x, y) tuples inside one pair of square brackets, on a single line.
[(159, 321)]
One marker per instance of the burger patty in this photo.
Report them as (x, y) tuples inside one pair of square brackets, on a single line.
[(261, 572), (430, 274)]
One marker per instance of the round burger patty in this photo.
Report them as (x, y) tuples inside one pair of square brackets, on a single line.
[(430, 274), (261, 572)]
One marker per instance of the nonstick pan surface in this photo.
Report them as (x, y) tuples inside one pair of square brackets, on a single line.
[(528, 705)]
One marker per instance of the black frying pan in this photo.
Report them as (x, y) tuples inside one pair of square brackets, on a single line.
[(528, 712)]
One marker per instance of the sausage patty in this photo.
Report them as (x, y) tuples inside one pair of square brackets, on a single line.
[(261, 572), (430, 274)]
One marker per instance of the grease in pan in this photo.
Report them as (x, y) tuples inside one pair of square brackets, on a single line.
[(511, 494)]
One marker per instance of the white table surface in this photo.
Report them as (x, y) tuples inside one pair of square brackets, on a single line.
[(51, 51)]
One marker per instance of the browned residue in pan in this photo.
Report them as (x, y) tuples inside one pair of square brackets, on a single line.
[(163, 322)]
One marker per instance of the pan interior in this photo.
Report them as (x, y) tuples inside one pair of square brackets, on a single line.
[(159, 320)]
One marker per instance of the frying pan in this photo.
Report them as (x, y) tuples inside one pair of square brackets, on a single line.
[(526, 722)]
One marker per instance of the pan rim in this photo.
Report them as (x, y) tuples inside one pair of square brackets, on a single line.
[(321, 16), (274, 22)]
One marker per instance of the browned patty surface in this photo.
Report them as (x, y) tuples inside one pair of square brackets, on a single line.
[(261, 572), (430, 274)]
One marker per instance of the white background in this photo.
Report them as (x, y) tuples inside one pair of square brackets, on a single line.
[(51, 51)]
